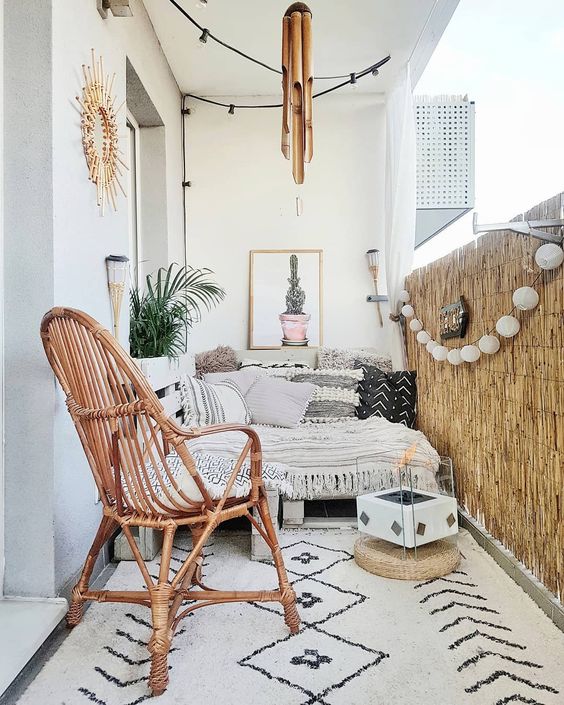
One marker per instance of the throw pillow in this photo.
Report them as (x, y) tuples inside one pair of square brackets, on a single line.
[(244, 379), (207, 404), (335, 394), (221, 359), (392, 395), (340, 358), (277, 402), (285, 368)]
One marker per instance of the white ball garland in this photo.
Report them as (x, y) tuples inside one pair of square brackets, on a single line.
[(549, 256), (525, 298), (470, 353), (508, 326), (423, 337), (407, 311), (440, 353), (431, 345), (454, 357), (404, 296), (415, 325), (489, 344)]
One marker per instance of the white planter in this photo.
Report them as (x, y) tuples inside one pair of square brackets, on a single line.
[(163, 375), (431, 517)]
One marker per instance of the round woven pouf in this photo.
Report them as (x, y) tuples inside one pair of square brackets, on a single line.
[(386, 559)]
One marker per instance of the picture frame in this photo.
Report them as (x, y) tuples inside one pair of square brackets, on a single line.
[(272, 326)]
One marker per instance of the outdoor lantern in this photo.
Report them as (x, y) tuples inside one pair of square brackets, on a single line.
[(116, 269), (525, 298), (440, 353), (549, 256), (423, 337), (489, 344), (373, 257), (508, 326), (454, 357), (407, 311), (470, 353), (415, 325)]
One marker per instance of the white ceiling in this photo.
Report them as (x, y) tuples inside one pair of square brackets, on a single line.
[(348, 36)]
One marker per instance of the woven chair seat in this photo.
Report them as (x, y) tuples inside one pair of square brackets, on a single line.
[(215, 472)]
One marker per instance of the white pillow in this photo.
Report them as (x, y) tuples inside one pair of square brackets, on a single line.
[(207, 404), (244, 379)]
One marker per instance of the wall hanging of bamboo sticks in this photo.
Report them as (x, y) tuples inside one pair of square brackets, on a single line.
[(297, 88), (100, 139)]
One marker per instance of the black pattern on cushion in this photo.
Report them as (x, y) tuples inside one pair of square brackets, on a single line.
[(335, 395), (392, 395)]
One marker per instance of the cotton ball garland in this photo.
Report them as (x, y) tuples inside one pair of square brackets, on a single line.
[(431, 345), (423, 337), (549, 256), (489, 344), (453, 356), (508, 326), (407, 311), (404, 296), (440, 353), (415, 325), (525, 298), (470, 353)]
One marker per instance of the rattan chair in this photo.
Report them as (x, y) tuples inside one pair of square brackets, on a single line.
[(129, 441)]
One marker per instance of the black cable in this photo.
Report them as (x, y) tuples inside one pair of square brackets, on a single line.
[(209, 35), (370, 69)]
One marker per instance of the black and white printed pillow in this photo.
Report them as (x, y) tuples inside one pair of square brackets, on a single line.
[(206, 404), (335, 395), (285, 368), (392, 395)]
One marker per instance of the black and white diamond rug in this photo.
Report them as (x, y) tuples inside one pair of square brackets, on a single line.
[(472, 638)]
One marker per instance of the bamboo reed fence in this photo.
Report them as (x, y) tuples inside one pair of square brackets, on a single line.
[(501, 419)]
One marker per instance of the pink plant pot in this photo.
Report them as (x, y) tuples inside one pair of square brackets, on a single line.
[(294, 326)]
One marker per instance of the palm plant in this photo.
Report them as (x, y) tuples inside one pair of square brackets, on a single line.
[(163, 314)]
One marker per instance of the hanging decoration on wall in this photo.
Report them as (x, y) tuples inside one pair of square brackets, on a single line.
[(548, 257), (453, 320), (297, 88), (100, 139)]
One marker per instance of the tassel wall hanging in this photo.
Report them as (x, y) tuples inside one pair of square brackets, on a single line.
[(297, 87)]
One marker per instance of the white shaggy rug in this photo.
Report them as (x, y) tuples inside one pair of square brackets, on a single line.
[(473, 638)]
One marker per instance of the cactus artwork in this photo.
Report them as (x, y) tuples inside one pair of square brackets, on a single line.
[(295, 296)]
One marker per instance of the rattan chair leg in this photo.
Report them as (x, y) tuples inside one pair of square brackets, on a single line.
[(105, 530), (161, 595), (288, 595)]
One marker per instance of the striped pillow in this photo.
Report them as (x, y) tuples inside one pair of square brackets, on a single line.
[(206, 404), (335, 396)]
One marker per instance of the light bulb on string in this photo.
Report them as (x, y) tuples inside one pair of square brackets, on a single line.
[(202, 4), (231, 110), (203, 40), (354, 81)]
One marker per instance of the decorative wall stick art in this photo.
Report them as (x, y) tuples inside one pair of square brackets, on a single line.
[(100, 133), (297, 87)]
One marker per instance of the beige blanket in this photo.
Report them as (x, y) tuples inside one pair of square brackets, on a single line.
[(338, 459)]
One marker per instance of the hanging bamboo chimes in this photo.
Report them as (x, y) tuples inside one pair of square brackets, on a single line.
[(297, 87)]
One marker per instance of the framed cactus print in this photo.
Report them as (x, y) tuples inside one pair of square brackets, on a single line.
[(285, 299)]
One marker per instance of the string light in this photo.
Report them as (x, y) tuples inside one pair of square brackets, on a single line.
[(353, 81), (204, 36), (231, 110), (371, 69), (202, 4)]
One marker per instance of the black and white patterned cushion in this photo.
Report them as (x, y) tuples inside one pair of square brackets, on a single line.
[(215, 471), (392, 395), (206, 404), (335, 395)]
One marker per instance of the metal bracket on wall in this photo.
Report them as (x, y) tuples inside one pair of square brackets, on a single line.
[(524, 227), (376, 298), (119, 8)]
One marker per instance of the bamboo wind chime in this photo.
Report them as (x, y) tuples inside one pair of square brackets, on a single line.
[(297, 87), (100, 139)]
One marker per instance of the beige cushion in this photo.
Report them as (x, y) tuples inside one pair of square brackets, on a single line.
[(277, 402)]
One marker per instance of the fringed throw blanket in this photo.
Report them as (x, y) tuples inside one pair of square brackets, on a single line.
[(337, 459)]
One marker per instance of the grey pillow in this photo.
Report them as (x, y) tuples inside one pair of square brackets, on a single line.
[(276, 402), (336, 393), (244, 379)]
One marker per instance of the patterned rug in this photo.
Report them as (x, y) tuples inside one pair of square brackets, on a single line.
[(472, 638)]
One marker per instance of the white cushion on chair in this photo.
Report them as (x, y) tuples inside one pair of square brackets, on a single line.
[(215, 472)]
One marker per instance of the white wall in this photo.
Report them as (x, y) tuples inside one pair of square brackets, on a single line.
[(55, 231), (243, 198)]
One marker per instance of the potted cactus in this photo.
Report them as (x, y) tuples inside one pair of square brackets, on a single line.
[(294, 321)]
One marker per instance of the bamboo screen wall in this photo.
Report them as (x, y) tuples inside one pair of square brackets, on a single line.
[(500, 419)]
